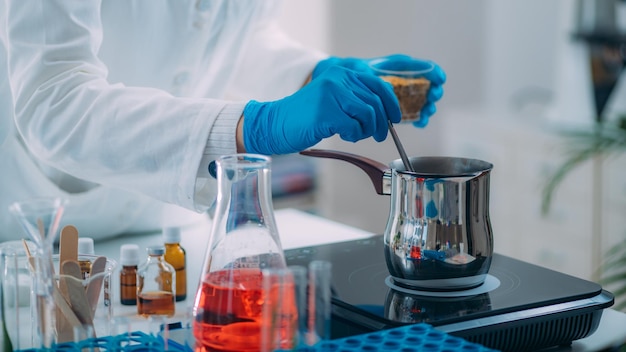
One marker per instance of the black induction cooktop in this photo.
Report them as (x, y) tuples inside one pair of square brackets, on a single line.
[(519, 307)]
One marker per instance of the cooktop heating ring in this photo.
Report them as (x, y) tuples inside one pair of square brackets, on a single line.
[(490, 284)]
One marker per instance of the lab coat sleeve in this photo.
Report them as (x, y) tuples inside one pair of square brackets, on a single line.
[(6, 101), (139, 139), (278, 64)]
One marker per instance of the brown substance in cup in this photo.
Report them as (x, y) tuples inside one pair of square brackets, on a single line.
[(411, 93)]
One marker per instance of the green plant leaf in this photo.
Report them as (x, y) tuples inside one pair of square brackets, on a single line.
[(581, 146), (603, 140), (613, 272)]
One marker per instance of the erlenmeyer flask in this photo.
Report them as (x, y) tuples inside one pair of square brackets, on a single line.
[(244, 241), (40, 219)]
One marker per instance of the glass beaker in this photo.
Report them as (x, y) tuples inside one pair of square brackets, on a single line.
[(15, 293), (40, 219), (244, 241)]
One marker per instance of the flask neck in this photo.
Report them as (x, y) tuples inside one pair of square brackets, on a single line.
[(244, 231), (244, 191)]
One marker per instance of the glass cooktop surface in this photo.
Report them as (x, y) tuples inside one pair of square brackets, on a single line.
[(361, 284)]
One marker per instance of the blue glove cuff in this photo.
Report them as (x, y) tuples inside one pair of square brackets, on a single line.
[(259, 133), (252, 140)]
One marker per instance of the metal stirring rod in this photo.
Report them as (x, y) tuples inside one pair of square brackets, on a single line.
[(396, 140)]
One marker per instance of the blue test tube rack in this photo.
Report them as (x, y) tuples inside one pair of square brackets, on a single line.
[(409, 338), (133, 342)]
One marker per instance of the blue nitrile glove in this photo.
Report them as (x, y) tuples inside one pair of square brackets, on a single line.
[(353, 104), (437, 77), (351, 63)]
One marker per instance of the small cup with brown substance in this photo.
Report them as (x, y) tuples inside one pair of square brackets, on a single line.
[(407, 76)]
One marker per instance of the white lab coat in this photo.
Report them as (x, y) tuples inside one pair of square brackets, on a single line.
[(136, 96)]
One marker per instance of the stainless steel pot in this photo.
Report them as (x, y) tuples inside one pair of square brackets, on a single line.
[(438, 234)]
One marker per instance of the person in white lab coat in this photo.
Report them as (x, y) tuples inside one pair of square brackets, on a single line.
[(120, 105)]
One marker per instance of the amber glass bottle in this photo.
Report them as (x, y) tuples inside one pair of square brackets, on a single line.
[(175, 255), (85, 248), (129, 259)]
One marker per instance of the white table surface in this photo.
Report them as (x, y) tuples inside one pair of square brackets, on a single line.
[(298, 229)]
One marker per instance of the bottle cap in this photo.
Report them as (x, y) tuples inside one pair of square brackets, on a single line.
[(129, 254), (156, 250), (171, 235), (85, 246)]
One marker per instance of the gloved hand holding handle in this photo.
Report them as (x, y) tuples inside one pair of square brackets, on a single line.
[(355, 105), (437, 77)]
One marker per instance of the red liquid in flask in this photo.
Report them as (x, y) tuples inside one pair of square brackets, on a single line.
[(229, 313)]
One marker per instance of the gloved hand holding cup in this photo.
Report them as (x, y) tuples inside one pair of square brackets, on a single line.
[(351, 97), (416, 83), (339, 101)]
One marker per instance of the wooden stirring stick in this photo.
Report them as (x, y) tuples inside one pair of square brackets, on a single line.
[(27, 250), (95, 282), (76, 290), (68, 250), (68, 243)]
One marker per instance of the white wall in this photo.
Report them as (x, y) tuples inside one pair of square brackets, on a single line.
[(449, 33), (308, 21), (521, 38)]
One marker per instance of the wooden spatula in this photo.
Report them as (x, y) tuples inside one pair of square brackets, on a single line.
[(95, 282), (68, 250), (68, 244), (76, 291)]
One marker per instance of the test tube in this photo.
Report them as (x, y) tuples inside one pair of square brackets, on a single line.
[(121, 328), (82, 337), (301, 284), (279, 313), (189, 340), (158, 328), (170, 333), (313, 299), (43, 302), (319, 302)]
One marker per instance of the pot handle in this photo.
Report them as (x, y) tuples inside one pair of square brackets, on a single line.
[(374, 169)]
